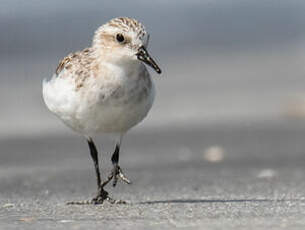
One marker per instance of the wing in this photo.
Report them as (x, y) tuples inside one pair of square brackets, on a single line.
[(77, 66), (77, 60)]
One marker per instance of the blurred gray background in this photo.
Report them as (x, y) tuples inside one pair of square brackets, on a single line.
[(222, 146), (222, 60)]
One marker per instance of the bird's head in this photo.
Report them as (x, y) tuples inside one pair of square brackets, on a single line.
[(123, 40)]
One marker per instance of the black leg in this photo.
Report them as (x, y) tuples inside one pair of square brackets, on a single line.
[(102, 195), (115, 155), (117, 171), (115, 162), (94, 155)]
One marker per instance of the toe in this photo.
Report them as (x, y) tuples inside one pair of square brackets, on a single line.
[(123, 177)]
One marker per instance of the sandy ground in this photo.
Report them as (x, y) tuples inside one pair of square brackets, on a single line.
[(210, 177)]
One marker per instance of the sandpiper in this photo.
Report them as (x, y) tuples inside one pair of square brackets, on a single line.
[(105, 89)]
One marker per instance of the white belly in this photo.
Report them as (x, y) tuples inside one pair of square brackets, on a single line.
[(91, 110)]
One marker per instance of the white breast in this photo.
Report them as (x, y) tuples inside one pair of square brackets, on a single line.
[(100, 106)]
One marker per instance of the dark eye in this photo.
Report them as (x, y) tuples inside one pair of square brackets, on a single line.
[(120, 38)]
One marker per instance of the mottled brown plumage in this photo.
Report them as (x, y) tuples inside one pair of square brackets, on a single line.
[(79, 66)]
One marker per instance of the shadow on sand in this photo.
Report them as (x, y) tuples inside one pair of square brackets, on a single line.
[(195, 201)]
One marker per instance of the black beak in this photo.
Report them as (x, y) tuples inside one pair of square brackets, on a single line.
[(144, 57)]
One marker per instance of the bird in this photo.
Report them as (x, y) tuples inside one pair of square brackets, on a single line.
[(104, 89)]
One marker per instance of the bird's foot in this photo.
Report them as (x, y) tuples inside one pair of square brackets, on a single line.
[(102, 195), (117, 174), (99, 199)]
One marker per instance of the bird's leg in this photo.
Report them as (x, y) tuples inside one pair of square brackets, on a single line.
[(117, 171), (102, 195)]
